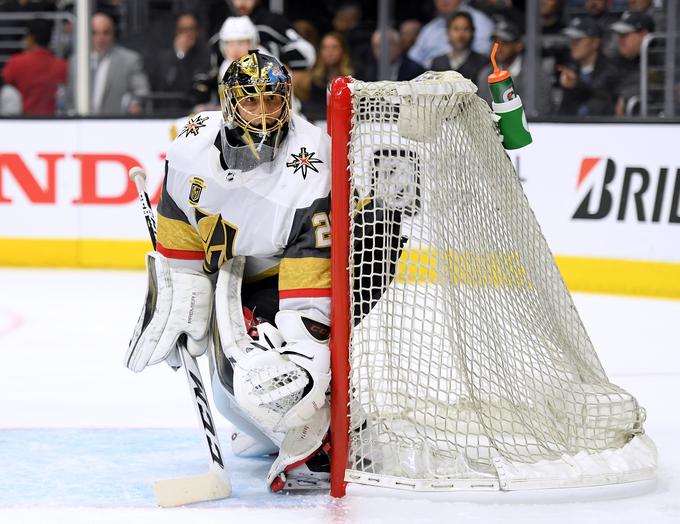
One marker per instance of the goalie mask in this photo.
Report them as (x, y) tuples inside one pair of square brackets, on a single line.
[(255, 96)]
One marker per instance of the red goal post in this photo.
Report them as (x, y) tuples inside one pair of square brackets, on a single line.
[(339, 118)]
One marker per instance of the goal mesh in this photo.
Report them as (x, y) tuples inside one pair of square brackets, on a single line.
[(467, 357)]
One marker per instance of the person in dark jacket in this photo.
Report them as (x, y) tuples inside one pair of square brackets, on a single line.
[(461, 58), (598, 10), (631, 28), (589, 81), (174, 70), (333, 60), (401, 67)]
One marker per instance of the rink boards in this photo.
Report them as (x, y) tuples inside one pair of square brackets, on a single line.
[(607, 197)]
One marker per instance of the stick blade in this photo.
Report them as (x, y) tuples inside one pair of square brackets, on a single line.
[(187, 490)]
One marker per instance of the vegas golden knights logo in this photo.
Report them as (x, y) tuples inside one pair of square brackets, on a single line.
[(218, 237), (197, 186)]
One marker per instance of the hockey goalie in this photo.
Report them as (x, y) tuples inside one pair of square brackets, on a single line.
[(242, 269)]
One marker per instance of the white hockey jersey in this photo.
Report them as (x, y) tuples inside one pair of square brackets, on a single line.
[(277, 215)]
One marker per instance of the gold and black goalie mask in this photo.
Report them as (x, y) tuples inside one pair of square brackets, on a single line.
[(255, 96)]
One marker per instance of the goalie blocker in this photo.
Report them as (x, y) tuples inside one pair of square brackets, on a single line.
[(178, 302)]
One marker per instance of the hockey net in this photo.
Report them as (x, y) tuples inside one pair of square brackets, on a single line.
[(459, 360)]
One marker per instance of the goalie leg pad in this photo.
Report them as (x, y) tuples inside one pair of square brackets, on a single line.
[(178, 301), (255, 444)]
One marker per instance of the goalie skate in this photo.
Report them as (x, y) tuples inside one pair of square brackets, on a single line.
[(312, 473)]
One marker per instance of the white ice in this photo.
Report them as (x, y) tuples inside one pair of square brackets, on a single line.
[(82, 438)]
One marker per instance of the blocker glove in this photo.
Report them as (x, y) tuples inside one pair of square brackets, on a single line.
[(178, 301)]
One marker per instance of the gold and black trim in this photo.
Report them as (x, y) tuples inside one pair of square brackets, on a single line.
[(167, 207), (218, 237), (304, 273)]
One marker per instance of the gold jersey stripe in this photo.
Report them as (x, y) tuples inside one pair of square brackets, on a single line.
[(304, 273), (270, 272), (175, 234)]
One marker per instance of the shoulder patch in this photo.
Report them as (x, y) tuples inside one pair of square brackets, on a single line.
[(197, 186), (193, 126), (304, 161)]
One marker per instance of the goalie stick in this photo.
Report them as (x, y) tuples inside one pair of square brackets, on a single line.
[(214, 484)]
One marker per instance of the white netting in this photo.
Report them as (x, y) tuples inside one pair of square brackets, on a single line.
[(467, 354)]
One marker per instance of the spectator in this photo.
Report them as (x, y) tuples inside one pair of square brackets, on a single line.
[(277, 35), (119, 84), (308, 31), (598, 10), (655, 13), (333, 61), (551, 17), (238, 35), (348, 21), (175, 69), (10, 100), (589, 83), (12, 31), (408, 32), (36, 73), (401, 67), (461, 58), (510, 56), (553, 42), (302, 79), (432, 39), (631, 28)]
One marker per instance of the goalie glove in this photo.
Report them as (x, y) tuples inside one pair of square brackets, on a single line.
[(178, 301), (283, 385), (307, 346)]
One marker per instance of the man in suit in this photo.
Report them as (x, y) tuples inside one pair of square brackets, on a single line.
[(401, 67), (118, 82)]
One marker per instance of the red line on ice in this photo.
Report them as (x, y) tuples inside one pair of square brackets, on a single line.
[(15, 323)]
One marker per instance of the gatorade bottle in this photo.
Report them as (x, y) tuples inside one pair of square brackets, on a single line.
[(508, 106)]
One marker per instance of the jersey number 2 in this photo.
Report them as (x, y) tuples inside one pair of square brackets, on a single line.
[(322, 226)]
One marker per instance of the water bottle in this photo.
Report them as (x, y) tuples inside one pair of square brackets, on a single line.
[(508, 106)]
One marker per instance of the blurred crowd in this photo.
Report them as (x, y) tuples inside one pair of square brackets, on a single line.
[(589, 58)]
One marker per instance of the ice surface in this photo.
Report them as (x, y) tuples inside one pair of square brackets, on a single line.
[(82, 438)]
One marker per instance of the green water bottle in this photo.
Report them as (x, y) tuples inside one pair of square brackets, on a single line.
[(508, 106)]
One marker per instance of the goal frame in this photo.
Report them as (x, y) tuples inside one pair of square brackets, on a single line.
[(577, 465), (339, 121)]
